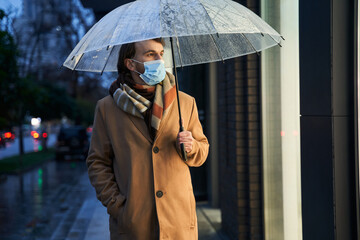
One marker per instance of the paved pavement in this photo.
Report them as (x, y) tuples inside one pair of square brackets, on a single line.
[(55, 201), (44, 202), (208, 220)]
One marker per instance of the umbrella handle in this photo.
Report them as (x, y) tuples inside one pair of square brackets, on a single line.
[(182, 147)]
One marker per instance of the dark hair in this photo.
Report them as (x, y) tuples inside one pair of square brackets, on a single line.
[(128, 51)]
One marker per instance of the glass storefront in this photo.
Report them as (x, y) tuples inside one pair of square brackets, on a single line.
[(281, 124)]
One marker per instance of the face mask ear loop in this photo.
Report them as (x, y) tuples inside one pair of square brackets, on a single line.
[(137, 62), (137, 72)]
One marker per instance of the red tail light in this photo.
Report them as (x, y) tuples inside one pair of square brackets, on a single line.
[(44, 135)]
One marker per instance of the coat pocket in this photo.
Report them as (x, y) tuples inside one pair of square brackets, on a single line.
[(116, 212)]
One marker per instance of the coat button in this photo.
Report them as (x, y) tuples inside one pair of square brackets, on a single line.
[(156, 149), (159, 194)]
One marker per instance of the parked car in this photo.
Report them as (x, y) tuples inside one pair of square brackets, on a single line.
[(8, 136), (39, 135), (72, 141), (2, 142), (35, 135)]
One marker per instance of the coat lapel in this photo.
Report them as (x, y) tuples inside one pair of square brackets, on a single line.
[(165, 121), (141, 126)]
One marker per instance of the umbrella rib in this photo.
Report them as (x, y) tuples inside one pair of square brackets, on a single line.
[(275, 40), (248, 15), (187, 27), (225, 10), (212, 24), (117, 23), (251, 44), (178, 47), (160, 17), (177, 39), (78, 61), (84, 39), (212, 37), (236, 14), (217, 47), (107, 59), (258, 27)]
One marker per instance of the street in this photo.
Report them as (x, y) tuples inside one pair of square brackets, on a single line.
[(30, 145)]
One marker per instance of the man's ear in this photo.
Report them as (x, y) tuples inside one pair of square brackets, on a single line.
[(129, 64)]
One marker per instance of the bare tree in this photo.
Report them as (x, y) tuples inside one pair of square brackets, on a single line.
[(47, 38)]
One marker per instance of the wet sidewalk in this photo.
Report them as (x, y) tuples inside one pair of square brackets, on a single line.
[(92, 221), (55, 201)]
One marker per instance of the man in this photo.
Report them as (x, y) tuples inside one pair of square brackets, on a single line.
[(134, 160)]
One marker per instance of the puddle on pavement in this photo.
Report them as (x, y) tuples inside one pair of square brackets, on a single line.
[(33, 204)]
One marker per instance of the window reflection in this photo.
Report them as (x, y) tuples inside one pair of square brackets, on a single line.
[(281, 125)]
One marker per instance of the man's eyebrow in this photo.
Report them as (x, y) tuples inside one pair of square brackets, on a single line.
[(153, 51)]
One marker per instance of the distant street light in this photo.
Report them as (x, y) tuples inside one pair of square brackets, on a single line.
[(35, 122)]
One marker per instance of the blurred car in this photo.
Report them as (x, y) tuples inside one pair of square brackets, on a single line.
[(35, 134), (72, 141), (2, 142), (8, 136), (39, 136)]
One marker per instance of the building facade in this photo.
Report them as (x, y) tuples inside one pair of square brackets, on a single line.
[(329, 121), (283, 126)]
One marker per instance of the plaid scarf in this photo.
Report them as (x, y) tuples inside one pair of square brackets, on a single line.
[(133, 103)]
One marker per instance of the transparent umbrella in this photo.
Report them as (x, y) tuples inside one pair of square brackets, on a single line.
[(195, 31), (204, 31)]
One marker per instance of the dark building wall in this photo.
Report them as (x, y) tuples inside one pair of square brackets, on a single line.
[(240, 148), (239, 98), (327, 119)]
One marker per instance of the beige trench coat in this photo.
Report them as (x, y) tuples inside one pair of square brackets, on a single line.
[(139, 180)]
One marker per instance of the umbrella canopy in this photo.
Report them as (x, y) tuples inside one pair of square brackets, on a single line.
[(203, 30)]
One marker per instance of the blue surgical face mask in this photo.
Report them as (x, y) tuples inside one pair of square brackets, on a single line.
[(154, 72)]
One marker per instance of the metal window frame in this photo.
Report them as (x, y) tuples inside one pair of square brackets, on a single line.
[(357, 110)]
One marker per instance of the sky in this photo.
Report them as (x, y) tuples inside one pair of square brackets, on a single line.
[(6, 4)]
